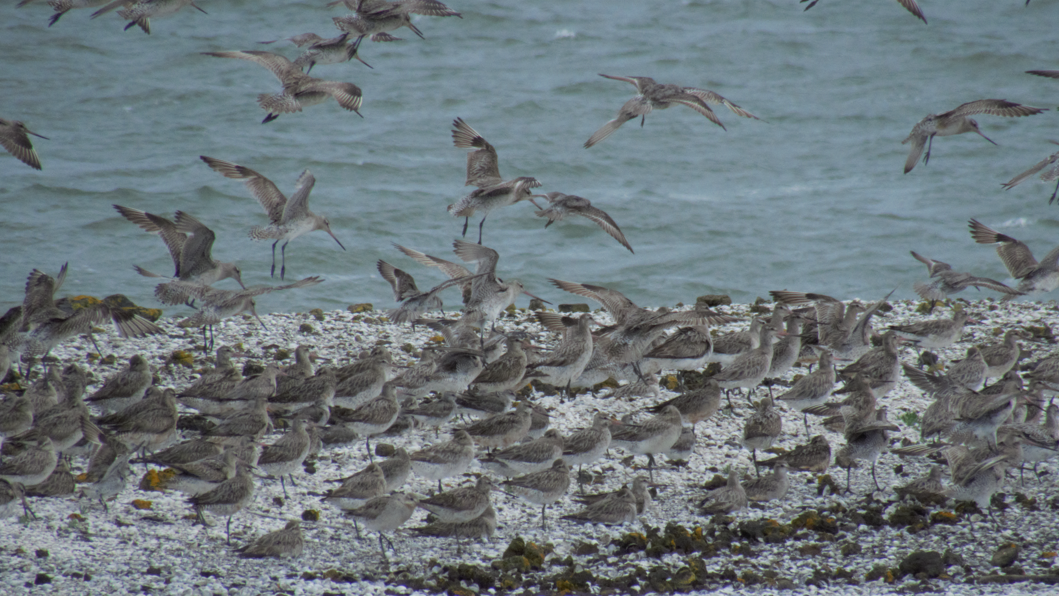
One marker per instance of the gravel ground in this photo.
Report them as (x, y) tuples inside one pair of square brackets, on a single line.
[(76, 547)]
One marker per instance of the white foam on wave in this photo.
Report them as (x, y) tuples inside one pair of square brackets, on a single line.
[(565, 34)]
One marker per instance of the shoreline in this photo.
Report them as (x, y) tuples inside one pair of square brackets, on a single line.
[(128, 548)]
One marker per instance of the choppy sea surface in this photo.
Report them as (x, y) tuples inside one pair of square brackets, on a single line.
[(812, 197)]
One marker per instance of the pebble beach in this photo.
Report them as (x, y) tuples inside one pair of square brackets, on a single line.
[(816, 540)]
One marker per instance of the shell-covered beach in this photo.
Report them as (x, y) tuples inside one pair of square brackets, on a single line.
[(814, 538)]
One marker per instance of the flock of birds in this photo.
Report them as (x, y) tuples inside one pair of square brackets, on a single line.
[(980, 430)]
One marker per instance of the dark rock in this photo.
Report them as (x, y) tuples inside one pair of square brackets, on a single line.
[(951, 558), (585, 548), (712, 300), (42, 578), (152, 570), (252, 368), (580, 307), (851, 548), (359, 308), (536, 304), (41, 553), (914, 517), (811, 550), (928, 562)]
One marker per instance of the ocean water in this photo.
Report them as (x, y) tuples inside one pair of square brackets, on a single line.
[(812, 197)]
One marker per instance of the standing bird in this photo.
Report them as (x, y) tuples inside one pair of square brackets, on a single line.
[(287, 542), (956, 122), (563, 205), (14, 136), (192, 258), (217, 305), (654, 96), (761, 429), (289, 217), (1049, 169), (299, 89), (1034, 277)]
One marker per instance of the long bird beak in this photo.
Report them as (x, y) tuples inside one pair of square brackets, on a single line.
[(198, 8), (416, 30), (253, 311), (36, 135), (336, 239), (986, 138)]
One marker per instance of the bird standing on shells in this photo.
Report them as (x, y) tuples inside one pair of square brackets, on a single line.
[(655, 96), (217, 305), (287, 542), (14, 137), (289, 216), (299, 89), (956, 122), (726, 499)]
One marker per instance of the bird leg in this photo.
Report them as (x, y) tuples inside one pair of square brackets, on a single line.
[(753, 456), (292, 482), (273, 274), (480, 224), (1055, 192), (466, 220), (805, 419), (284, 485), (874, 479), (930, 143), (283, 256), (25, 505), (228, 530), (367, 443), (544, 526), (356, 527)]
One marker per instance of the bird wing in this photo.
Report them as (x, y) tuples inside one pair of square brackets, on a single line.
[(994, 107), (19, 145), (933, 267), (263, 189), (1016, 256), (276, 64), (695, 103), (404, 286), (912, 7), (431, 8), (485, 257), (195, 256), (604, 221), (348, 95), (483, 167), (298, 204), (637, 106), (308, 281), (174, 239), (447, 267), (919, 142), (714, 98)]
